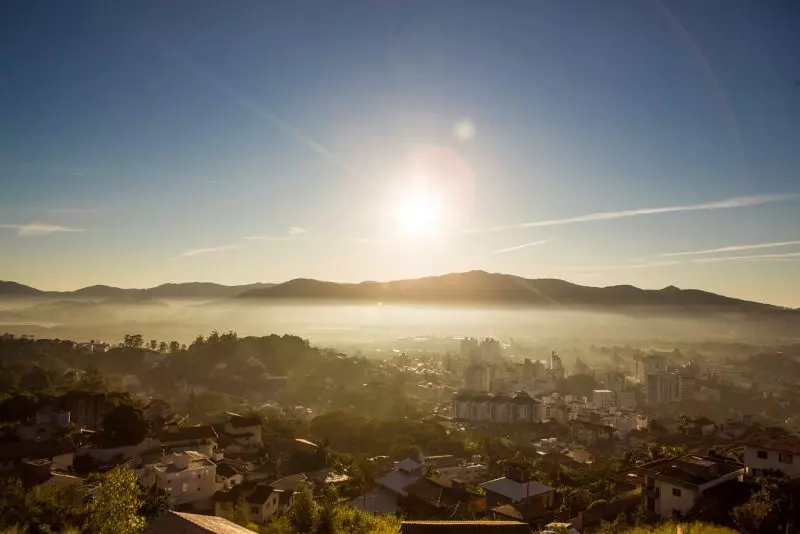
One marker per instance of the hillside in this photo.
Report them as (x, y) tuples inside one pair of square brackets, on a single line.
[(186, 290), (479, 287)]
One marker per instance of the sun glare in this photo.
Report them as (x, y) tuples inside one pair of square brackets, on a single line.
[(418, 215)]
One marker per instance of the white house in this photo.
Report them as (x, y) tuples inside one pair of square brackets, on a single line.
[(188, 477), (674, 485), (776, 454), (246, 431), (202, 439)]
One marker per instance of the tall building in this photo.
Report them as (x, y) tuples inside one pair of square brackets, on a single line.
[(556, 367), (604, 399), (491, 351), (470, 349), (476, 378), (647, 365), (661, 388)]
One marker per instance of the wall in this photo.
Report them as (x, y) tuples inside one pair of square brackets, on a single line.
[(752, 461), (667, 502)]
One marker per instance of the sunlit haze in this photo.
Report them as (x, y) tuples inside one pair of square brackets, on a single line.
[(653, 144)]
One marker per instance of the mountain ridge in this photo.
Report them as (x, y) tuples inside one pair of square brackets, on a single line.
[(472, 287)]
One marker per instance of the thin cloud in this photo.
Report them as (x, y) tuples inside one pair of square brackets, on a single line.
[(39, 228), (296, 231), (520, 247), (622, 267), (266, 237), (208, 250), (733, 248), (786, 255), (736, 202)]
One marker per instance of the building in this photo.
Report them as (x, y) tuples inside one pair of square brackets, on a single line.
[(588, 433), (464, 527), (173, 522), (12, 454), (647, 365), (517, 487), (687, 386), (604, 399), (661, 388), (673, 486), (202, 439), (556, 366), (772, 454), (188, 477), (626, 400), (491, 351), (476, 378), (441, 498), (499, 408)]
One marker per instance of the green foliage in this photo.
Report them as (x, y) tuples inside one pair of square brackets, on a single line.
[(124, 425), (155, 503), (685, 528), (115, 505), (775, 503), (304, 514), (241, 512)]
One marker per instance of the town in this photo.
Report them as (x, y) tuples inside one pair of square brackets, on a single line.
[(272, 433)]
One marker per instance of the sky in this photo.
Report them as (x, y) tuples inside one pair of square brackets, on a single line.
[(643, 142)]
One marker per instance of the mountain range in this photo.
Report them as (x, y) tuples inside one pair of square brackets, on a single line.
[(474, 287)]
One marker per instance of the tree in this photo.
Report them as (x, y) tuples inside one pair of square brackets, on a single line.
[(116, 503), (401, 451), (174, 347), (92, 379), (133, 341), (303, 514), (37, 380), (684, 423), (750, 516), (124, 425), (153, 344), (155, 503), (241, 512)]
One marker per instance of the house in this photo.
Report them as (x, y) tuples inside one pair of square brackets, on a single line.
[(673, 486), (202, 439), (443, 498), (60, 454), (157, 412), (498, 408), (179, 522), (229, 474), (778, 453), (588, 433), (464, 527), (701, 426), (263, 503), (188, 477), (518, 487), (448, 466), (245, 431)]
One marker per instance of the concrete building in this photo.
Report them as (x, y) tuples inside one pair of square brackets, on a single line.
[(673, 486), (662, 388), (647, 365), (626, 400), (772, 454), (188, 477), (604, 399), (499, 408), (476, 378)]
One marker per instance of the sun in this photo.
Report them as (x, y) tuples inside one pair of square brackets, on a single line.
[(418, 215)]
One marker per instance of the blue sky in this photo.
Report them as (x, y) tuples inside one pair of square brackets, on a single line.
[(148, 142)]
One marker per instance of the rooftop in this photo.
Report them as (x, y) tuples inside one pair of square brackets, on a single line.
[(182, 523), (782, 443), (691, 471), (187, 433), (516, 491), (464, 527)]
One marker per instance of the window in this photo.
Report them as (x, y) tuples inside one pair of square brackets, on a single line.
[(676, 492), (762, 454), (184, 487), (785, 458)]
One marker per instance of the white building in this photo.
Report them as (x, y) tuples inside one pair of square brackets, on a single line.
[(604, 399), (775, 454), (674, 485), (188, 477)]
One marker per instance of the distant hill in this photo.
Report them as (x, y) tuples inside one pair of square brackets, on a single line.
[(206, 290), (474, 287), (479, 287), (13, 289)]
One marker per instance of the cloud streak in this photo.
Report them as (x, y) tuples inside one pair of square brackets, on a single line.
[(623, 267), (733, 248), (207, 250), (783, 256), (730, 203), (296, 231), (291, 233), (520, 247), (39, 228)]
